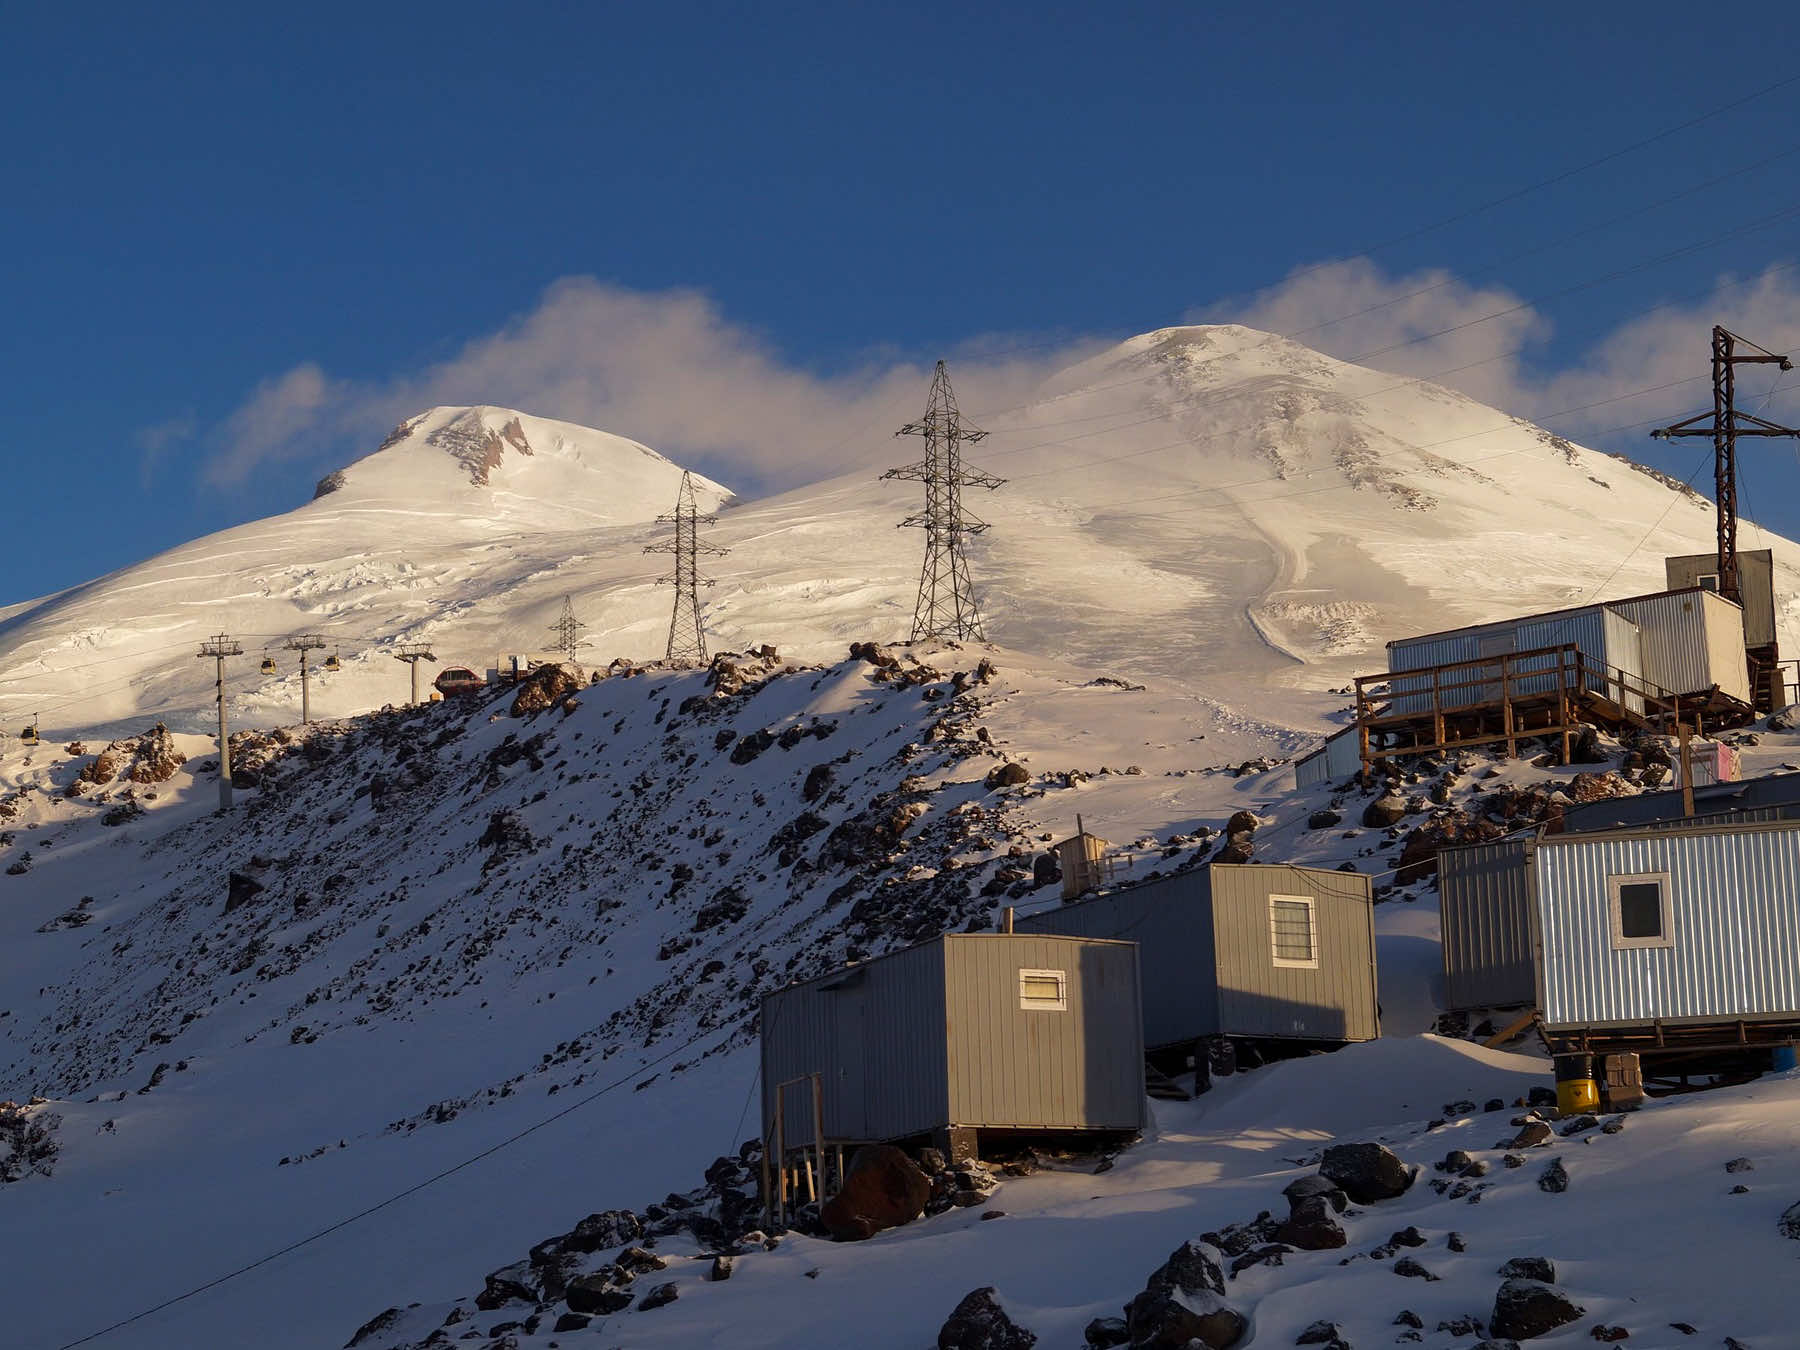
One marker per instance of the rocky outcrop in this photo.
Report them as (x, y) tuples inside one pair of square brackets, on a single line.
[(545, 687), (1385, 811)]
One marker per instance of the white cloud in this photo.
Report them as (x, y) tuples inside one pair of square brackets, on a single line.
[(664, 368)]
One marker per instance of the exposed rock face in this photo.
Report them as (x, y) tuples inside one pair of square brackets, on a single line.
[(545, 687), (1419, 854), (1527, 1308), (1539, 1268), (1790, 1222), (980, 1323), (242, 888), (149, 758), (1311, 1226), (1366, 1172), (884, 1189)]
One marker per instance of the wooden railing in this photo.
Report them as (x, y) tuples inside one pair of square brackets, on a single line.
[(1562, 678)]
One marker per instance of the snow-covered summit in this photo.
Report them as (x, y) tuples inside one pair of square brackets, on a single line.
[(533, 469)]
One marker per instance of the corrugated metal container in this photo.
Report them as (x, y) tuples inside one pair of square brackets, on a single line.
[(1728, 945), (1485, 917), (944, 1036), (1692, 640), (1608, 639), (1756, 580), (1339, 758), (1208, 945)]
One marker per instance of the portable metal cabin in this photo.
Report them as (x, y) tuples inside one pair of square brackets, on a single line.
[(1485, 890), (1260, 951), (1606, 638), (1016, 1031), (1756, 580), (1333, 762), (1689, 934), (1692, 642)]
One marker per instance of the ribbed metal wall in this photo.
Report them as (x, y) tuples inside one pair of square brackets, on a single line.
[(875, 1032), (1335, 1001), (1590, 629), (1736, 920), (1207, 957), (1332, 762), (1485, 917), (1774, 797), (1080, 1067), (1692, 640), (1171, 921)]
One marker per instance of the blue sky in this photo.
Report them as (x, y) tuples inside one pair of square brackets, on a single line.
[(217, 216)]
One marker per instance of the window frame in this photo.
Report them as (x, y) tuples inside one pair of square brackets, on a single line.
[(1028, 1003), (1701, 579), (1312, 934), (1616, 914)]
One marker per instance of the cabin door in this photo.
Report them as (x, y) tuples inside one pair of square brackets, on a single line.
[(846, 1085)]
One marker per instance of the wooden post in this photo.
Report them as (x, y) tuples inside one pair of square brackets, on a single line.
[(781, 1192), (1562, 697), (818, 1108), (1362, 729), (1437, 706), (1006, 919), (1506, 711), (1687, 769)]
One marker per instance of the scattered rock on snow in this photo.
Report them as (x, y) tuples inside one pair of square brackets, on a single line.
[(1555, 1178), (980, 1323), (1366, 1172), (1184, 1302), (1539, 1268), (1527, 1308)]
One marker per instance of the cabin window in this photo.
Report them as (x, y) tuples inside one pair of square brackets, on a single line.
[(1293, 937), (1708, 581), (1043, 990), (1642, 910)]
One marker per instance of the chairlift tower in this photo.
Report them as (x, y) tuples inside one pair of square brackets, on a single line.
[(412, 653), (304, 643), (946, 605), (568, 631), (220, 647), (687, 628), (1725, 423)]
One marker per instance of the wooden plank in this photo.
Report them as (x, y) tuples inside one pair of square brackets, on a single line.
[(1512, 1030)]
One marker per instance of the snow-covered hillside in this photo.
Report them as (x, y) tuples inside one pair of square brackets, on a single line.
[(519, 954), (1212, 506)]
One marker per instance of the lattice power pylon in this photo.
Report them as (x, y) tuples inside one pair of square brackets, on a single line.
[(687, 629), (946, 605), (568, 631)]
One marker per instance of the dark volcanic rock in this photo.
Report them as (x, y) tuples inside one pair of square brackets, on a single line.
[(596, 1294), (1184, 1302), (1366, 1172), (1298, 1189), (1311, 1226), (980, 1323), (884, 1189), (1539, 1268), (1527, 1308)]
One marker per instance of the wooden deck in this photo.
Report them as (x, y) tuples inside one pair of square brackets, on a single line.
[(1548, 691)]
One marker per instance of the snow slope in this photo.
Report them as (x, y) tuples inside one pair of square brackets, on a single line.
[(1208, 505)]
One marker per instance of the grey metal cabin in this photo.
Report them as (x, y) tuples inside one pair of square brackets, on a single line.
[(1669, 938), (1256, 951), (970, 1031)]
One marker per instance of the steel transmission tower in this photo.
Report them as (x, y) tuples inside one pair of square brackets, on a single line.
[(568, 631), (1725, 423), (946, 606), (687, 631)]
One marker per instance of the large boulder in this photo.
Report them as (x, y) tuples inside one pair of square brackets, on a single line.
[(1007, 775), (597, 1295), (1302, 1187), (1387, 809), (884, 1189), (1184, 1302), (1366, 1172), (1312, 1227), (980, 1323), (1527, 1308)]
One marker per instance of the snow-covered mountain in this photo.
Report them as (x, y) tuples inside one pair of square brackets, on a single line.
[(1210, 505)]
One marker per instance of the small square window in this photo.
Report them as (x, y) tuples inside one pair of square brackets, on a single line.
[(1707, 581), (1642, 910), (1293, 938), (1043, 990)]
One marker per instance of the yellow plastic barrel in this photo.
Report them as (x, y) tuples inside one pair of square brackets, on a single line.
[(1576, 1090)]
